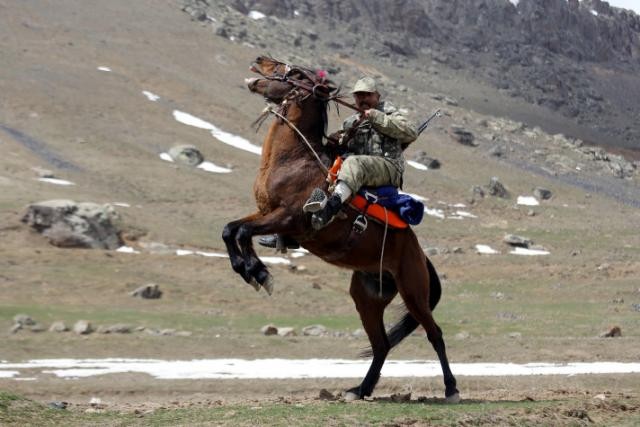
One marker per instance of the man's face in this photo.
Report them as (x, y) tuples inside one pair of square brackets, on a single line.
[(366, 100)]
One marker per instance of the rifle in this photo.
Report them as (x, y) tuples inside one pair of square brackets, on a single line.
[(424, 125)]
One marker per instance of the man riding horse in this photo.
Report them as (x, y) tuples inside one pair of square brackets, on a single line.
[(373, 143)]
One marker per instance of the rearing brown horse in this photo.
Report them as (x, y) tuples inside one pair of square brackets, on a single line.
[(289, 170)]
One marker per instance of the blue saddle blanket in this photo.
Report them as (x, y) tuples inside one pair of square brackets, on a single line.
[(409, 209)]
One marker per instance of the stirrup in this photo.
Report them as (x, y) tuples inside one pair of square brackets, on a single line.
[(316, 202)]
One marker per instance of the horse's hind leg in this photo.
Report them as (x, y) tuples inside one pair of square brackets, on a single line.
[(413, 285), (364, 291)]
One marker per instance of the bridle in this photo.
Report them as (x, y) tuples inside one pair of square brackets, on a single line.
[(318, 82)]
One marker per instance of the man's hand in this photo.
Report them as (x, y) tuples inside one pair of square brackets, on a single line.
[(335, 138)]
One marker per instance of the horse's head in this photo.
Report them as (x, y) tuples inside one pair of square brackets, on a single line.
[(280, 80)]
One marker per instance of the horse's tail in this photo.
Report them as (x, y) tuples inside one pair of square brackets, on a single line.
[(407, 324)]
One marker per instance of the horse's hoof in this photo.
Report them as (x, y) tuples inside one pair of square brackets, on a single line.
[(454, 398), (268, 284), (253, 282), (350, 396)]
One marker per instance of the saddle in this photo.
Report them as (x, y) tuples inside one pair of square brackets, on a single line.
[(384, 204)]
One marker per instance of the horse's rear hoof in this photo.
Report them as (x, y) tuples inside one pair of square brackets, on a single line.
[(268, 284), (350, 396), (453, 399)]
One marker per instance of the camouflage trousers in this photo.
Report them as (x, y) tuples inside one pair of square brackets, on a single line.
[(371, 171)]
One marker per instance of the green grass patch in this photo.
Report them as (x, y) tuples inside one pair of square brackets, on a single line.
[(316, 413)]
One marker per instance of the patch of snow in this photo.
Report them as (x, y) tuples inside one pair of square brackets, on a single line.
[(222, 136), (275, 260), (438, 213), (594, 12), (105, 69), (415, 196), (25, 379), (485, 249), (417, 165), (525, 251), (183, 252), (527, 201), (254, 14), (212, 254), (302, 368), (150, 96), (296, 13), (121, 204), (127, 250), (458, 205), (515, 2), (56, 181), (465, 214), (297, 255), (166, 157), (210, 167), (8, 374)]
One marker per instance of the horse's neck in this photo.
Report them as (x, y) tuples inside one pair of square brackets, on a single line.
[(283, 139)]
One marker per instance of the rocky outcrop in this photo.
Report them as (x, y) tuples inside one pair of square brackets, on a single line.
[(75, 225)]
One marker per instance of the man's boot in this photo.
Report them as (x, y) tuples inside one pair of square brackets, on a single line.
[(271, 241), (324, 216)]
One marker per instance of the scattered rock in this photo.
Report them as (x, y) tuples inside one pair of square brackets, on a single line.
[(462, 135), (477, 191), (400, 397), (314, 330), (287, 332), (23, 320), (515, 335), (58, 405), (496, 188), (518, 241), (635, 307), (58, 326), (119, 328), (316, 285), (497, 295), (43, 173), (82, 327), (186, 154), (358, 333), (150, 291), (69, 224), (37, 328), (618, 301), (542, 193), (269, 330), (462, 335), (497, 151), (422, 158), (614, 332), (15, 328), (326, 395)]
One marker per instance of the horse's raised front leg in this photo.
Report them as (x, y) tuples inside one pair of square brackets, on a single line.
[(278, 221), (370, 305), (229, 235)]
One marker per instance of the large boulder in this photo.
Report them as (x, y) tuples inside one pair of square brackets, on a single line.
[(186, 154), (75, 225)]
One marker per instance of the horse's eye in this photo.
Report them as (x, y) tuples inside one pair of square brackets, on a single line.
[(259, 59)]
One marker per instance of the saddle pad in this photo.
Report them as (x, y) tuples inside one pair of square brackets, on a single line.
[(376, 211)]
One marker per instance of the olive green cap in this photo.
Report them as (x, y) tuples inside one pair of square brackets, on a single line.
[(365, 84)]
